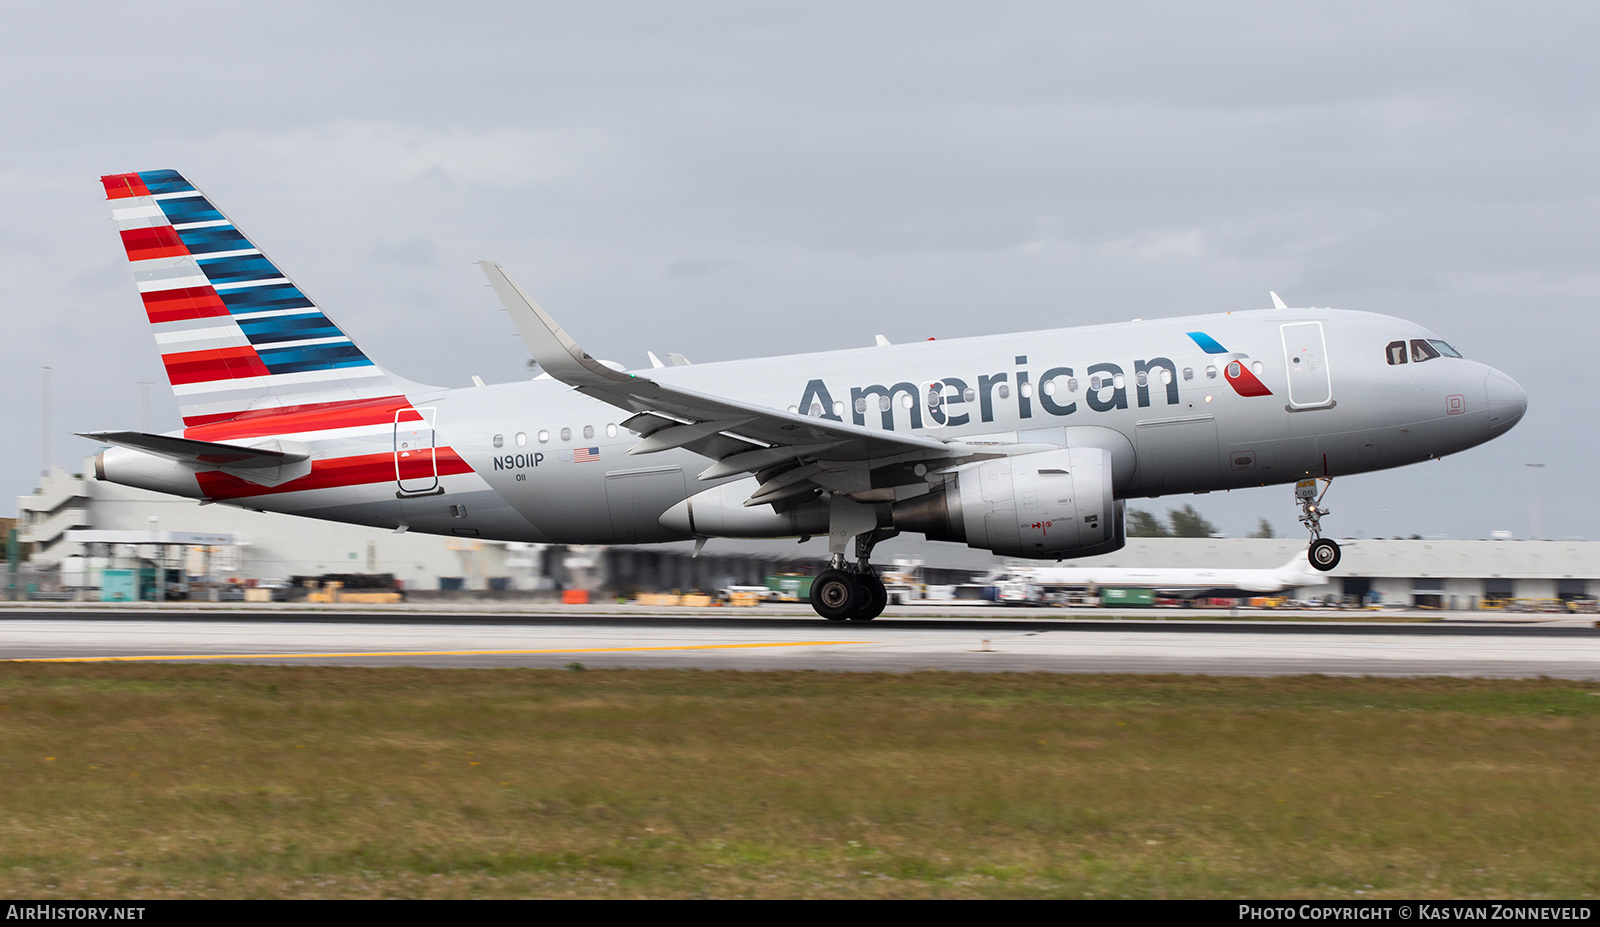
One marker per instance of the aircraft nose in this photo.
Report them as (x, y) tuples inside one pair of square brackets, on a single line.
[(1507, 401)]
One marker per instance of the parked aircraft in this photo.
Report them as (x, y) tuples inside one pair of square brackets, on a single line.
[(1175, 581), (1025, 445)]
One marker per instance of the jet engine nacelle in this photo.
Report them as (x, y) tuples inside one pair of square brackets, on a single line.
[(1050, 506)]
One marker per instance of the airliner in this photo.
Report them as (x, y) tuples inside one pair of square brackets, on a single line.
[(1175, 581), (1026, 444)]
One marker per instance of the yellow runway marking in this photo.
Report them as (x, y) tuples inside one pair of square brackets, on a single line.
[(415, 653)]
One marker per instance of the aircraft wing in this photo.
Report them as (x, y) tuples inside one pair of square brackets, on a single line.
[(742, 437)]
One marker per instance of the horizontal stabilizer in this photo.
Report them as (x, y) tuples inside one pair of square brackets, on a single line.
[(206, 453), (271, 463)]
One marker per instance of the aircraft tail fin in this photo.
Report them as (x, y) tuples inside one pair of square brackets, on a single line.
[(235, 333), (1297, 567)]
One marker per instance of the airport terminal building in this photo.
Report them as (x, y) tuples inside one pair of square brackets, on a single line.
[(266, 547)]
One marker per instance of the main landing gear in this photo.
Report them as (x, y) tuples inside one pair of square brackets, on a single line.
[(851, 592), (1323, 552)]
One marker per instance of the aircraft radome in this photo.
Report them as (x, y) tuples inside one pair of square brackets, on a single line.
[(1026, 445)]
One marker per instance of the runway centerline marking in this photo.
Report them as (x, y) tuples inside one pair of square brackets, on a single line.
[(416, 653)]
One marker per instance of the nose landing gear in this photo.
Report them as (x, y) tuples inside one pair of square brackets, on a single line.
[(1324, 552)]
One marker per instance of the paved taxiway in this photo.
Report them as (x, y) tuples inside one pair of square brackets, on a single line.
[(782, 643)]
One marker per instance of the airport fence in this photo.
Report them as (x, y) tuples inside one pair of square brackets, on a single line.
[(35, 586)]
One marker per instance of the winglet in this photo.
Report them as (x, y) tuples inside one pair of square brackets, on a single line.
[(551, 346), (1276, 302)]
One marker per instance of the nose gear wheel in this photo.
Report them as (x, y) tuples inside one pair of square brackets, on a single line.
[(1323, 554)]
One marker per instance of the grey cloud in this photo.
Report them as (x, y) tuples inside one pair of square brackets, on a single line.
[(696, 176), (414, 252)]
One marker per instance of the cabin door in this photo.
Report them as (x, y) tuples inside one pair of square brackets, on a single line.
[(416, 466), (1305, 353)]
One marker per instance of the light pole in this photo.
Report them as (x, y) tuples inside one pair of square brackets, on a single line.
[(44, 455), (1533, 514), (161, 559)]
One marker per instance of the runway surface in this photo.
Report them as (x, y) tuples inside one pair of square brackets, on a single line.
[(1559, 650)]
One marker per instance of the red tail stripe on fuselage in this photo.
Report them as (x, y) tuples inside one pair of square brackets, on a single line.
[(216, 364), (339, 472), (122, 186), (320, 416), (195, 302)]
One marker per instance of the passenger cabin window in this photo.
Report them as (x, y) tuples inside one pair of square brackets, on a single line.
[(588, 431), (499, 440), (1396, 353), (1422, 350), (566, 434)]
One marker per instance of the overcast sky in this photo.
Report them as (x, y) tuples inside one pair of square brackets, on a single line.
[(738, 179)]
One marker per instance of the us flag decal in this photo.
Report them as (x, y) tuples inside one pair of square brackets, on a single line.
[(585, 454)]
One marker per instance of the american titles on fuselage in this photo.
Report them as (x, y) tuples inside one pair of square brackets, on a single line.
[(934, 403)]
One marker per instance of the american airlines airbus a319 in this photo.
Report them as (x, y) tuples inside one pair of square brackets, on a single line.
[(1025, 445)]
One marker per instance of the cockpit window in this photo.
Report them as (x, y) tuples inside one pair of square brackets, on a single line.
[(1443, 348), (1422, 350), (1395, 352)]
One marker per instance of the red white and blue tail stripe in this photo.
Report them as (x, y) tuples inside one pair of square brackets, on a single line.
[(235, 333)]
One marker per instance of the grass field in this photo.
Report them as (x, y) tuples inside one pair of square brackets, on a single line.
[(228, 781)]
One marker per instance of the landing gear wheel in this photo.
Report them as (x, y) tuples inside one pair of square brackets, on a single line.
[(874, 597), (1323, 554), (836, 595)]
